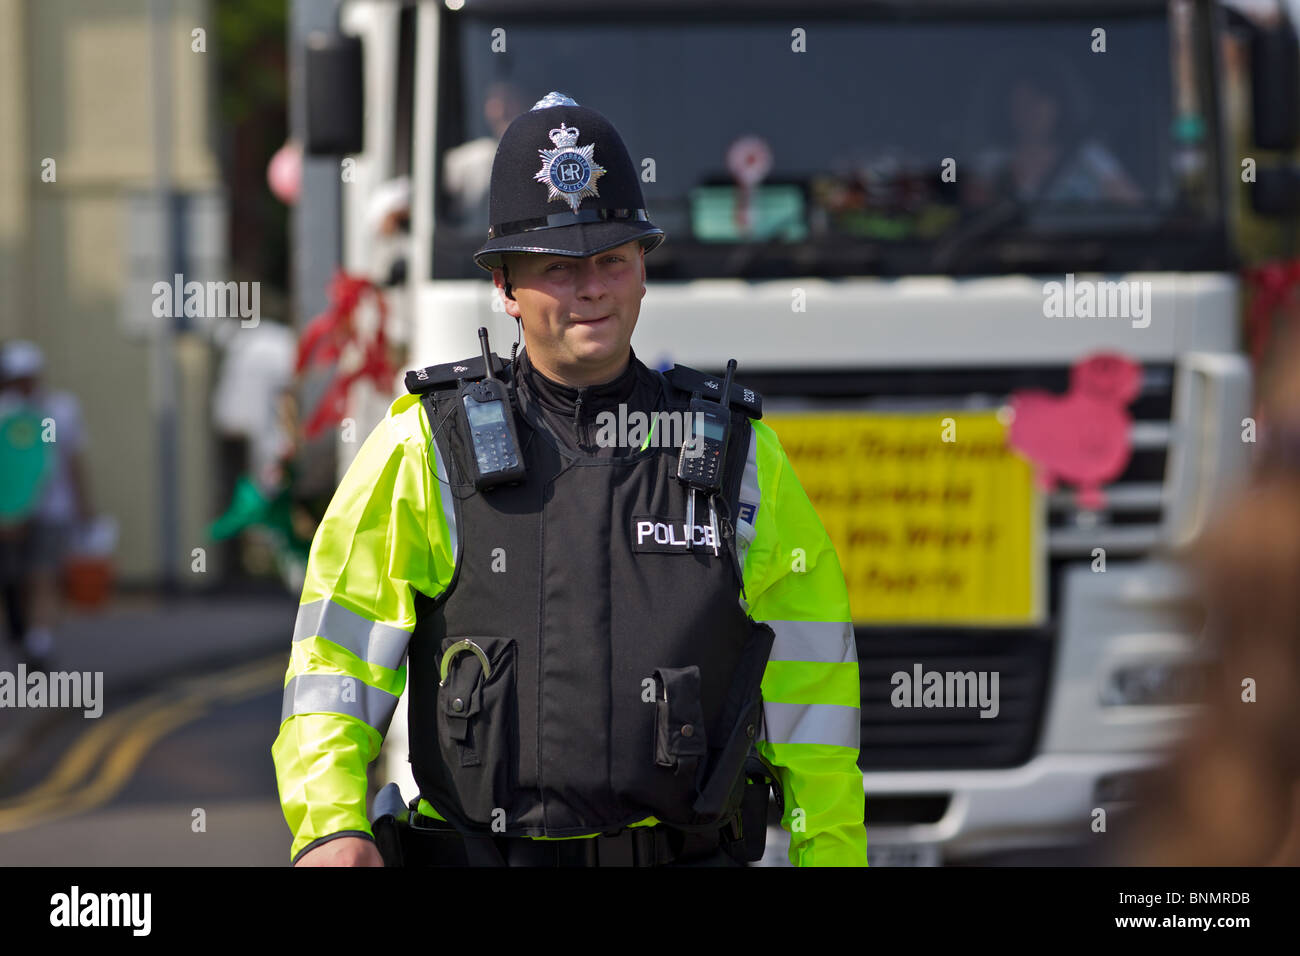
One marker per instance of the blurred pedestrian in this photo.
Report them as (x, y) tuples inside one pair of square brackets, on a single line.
[(21, 470), (1230, 796), (38, 546)]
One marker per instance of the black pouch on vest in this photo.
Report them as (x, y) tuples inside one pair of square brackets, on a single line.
[(680, 738), (741, 715), (388, 840), (390, 816), (761, 781), (477, 722)]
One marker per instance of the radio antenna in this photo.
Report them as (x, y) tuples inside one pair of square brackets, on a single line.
[(726, 384), (487, 355)]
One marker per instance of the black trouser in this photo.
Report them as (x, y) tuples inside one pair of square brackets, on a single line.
[(15, 612), (14, 546)]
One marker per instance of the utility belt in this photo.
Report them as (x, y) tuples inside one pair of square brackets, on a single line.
[(424, 841), (406, 837)]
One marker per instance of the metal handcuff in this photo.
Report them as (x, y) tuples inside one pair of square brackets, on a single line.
[(457, 648)]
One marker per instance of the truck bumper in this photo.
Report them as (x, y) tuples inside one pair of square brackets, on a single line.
[(1050, 801)]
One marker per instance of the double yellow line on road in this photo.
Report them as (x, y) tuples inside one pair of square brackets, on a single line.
[(117, 744)]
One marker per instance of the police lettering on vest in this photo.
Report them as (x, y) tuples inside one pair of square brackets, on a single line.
[(656, 534)]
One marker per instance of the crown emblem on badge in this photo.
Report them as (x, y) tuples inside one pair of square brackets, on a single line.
[(565, 136), (569, 171)]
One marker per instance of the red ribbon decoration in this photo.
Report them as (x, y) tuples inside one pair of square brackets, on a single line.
[(1271, 286), (323, 341)]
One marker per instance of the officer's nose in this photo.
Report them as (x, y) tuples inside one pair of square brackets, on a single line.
[(591, 284)]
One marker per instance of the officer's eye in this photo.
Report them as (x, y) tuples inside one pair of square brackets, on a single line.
[(557, 265)]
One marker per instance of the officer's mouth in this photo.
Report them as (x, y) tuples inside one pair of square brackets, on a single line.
[(590, 321)]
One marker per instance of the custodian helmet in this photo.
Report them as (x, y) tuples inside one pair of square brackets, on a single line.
[(563, 183)]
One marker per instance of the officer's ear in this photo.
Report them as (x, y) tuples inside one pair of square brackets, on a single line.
[(501, 279)]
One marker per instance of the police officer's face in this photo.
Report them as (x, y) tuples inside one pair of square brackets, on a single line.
[(578, 314)]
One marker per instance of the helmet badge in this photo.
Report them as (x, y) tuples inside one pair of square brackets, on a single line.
[(569, 171)]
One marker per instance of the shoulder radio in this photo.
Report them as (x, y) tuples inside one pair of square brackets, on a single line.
[(704, 446), (490, 425)]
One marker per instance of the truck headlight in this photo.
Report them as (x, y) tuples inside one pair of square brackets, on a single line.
[(1154, 684)]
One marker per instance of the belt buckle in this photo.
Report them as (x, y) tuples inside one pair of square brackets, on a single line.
[(617, 849), (426, 824), (648, 844), (415, 819), (636, 846), (526, 851)]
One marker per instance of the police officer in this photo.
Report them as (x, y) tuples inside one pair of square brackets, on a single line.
[(614, 646)]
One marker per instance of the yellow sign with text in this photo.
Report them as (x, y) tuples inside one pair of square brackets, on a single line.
[(934, 518)]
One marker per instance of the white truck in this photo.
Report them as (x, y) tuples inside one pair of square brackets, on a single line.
[(871, 206)]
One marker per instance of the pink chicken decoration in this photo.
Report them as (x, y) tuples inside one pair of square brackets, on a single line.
[(1082, 436)]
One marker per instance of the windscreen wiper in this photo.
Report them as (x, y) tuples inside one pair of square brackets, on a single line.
[(995, 219), (862, 256)]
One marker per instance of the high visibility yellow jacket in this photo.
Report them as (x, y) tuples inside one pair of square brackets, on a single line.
[(389, 532)]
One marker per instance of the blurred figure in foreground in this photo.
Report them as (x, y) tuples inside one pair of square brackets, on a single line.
[(1230, 795), (36, 547)]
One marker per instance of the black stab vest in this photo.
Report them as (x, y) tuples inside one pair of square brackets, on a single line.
[(622, 675)]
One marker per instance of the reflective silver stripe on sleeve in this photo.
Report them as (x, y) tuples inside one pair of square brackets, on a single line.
[(336, 694), (812, 724), (445, 497), (822, 642), (374, 643)]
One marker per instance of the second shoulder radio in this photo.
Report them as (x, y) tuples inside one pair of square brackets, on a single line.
[(704, 448)]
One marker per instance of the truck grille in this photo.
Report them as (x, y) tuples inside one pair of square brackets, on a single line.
[(916, 738)]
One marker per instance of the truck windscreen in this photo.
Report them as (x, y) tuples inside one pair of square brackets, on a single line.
[(881, 147)]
